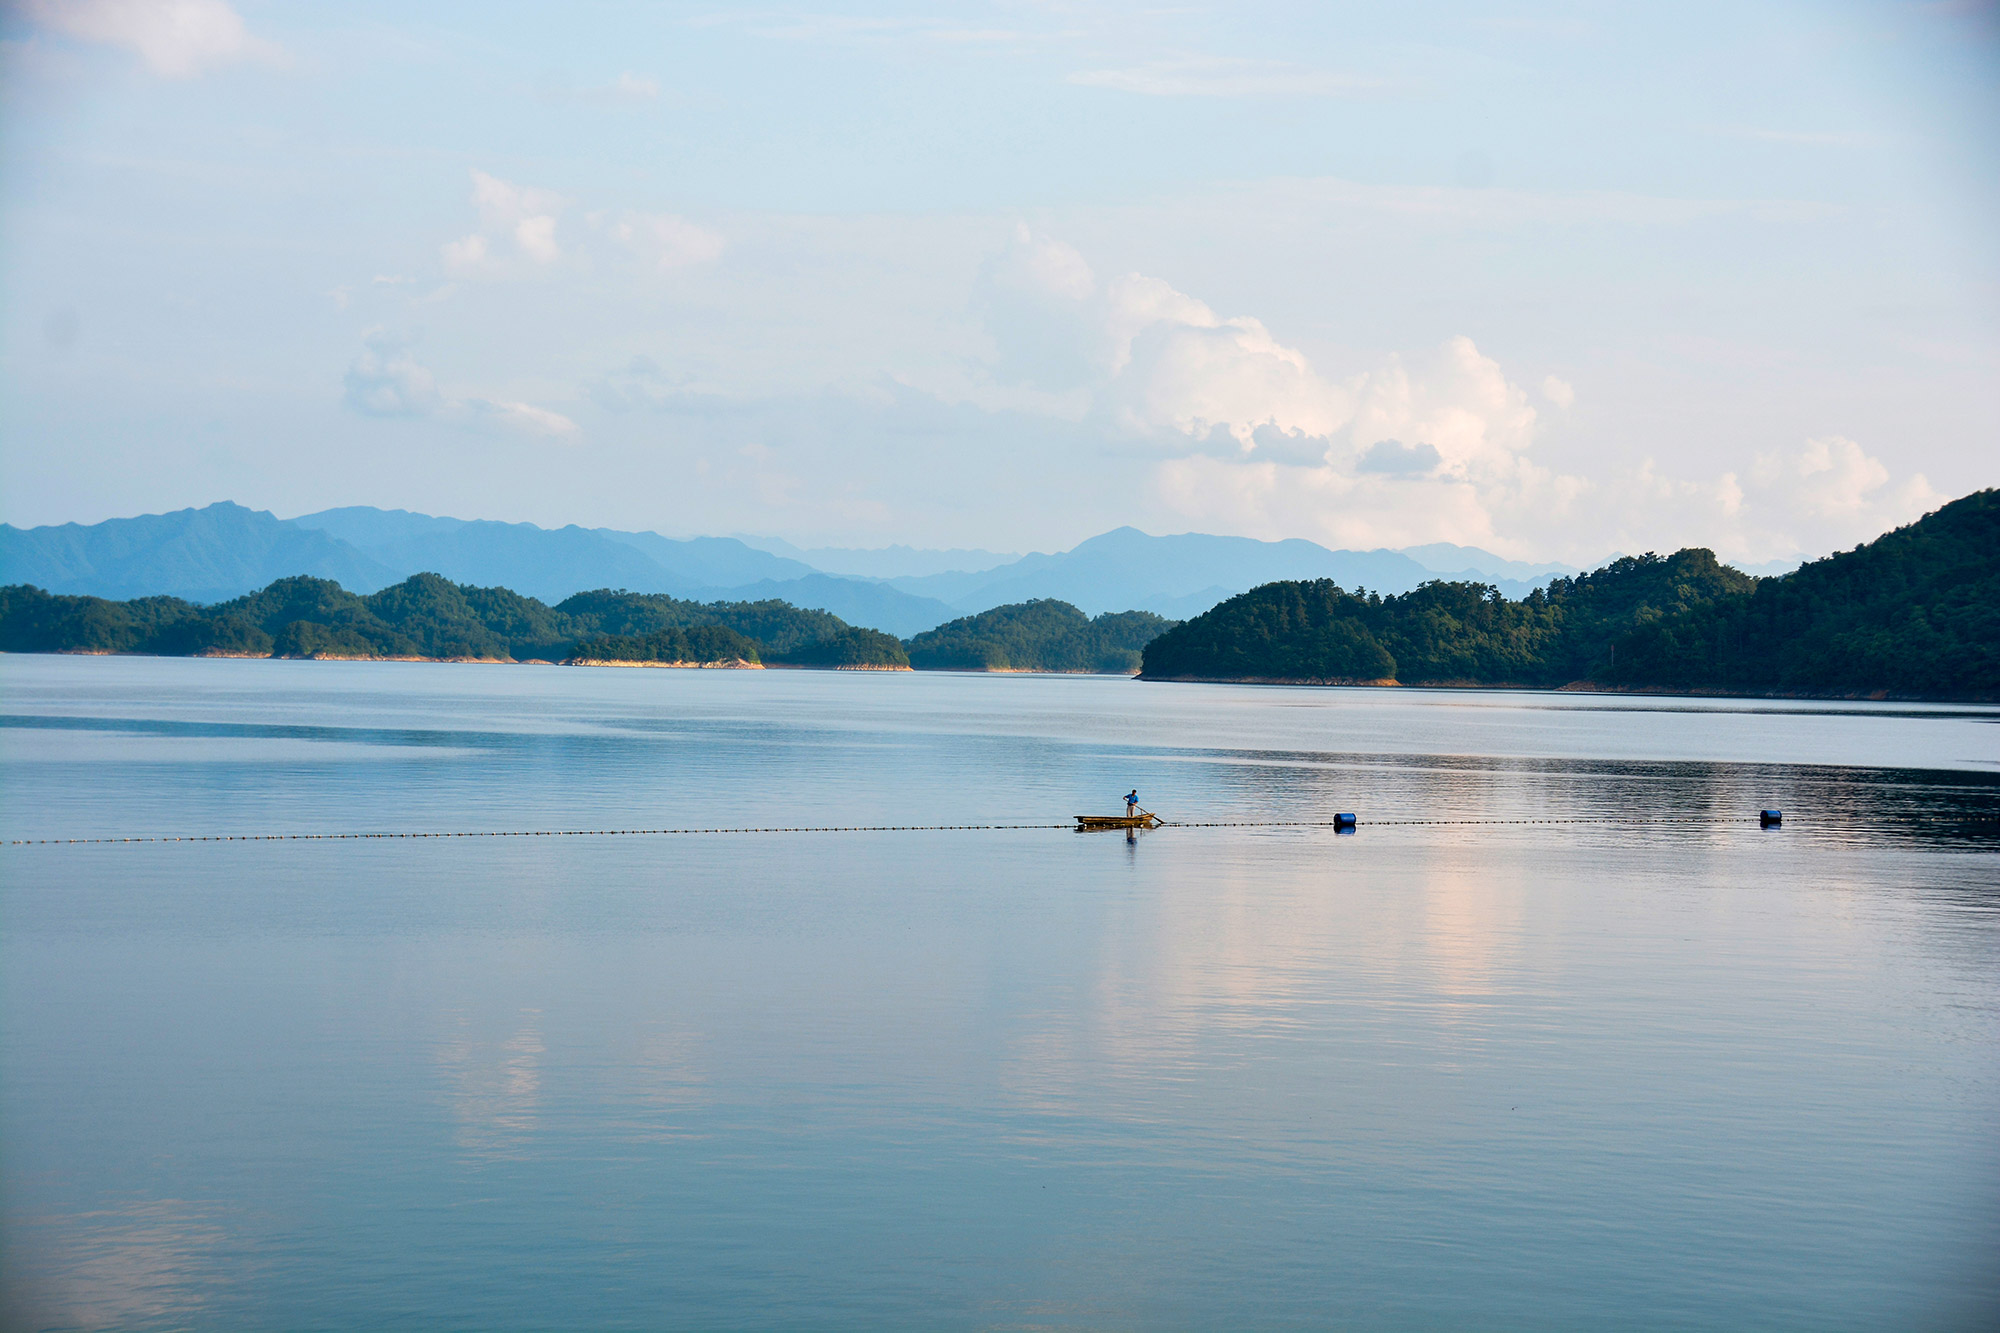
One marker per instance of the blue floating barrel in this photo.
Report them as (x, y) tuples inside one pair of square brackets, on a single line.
[(1770, 818), (1343, 820)]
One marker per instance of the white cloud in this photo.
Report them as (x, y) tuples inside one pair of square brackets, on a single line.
[(519, 217), (465, 255), (503, 203), (521, 229), (525, 417), (1824, 495), (386, 381), (1165, 366), (178, 39), (1828, 478), (1256, 436), (1186, 371), (1223, 77), (537, 238), (1252, 436), (666, 241)]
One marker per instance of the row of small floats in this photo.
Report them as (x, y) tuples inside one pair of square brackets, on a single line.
[(1343, 822)]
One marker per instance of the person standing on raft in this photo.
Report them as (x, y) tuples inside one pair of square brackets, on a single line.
[(1132, 804)]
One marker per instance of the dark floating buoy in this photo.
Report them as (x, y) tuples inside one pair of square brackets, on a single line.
[(1770, 818), (1343, 823)]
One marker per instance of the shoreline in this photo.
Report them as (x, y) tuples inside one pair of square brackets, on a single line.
[(738, 664), (1581, 687), (728, 664)]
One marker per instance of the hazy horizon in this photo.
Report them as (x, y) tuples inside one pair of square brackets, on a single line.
[(1548, 280)]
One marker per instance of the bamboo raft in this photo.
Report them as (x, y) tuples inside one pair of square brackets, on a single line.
[(1098, 823)]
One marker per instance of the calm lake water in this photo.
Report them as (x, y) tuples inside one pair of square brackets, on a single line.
[(1537, 1076)]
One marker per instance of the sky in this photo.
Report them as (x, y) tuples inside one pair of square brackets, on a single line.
[(1554, 279)]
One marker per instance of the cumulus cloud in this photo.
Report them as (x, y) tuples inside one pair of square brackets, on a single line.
[(522, 229), (1250, 435), (178, 39), (1821, 495), (1184, 370), (1830, 477), (386, 381), (1281, 443), (665, 241), (514, 221)]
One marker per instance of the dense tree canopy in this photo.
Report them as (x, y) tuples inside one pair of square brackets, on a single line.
[(430, 616), (692, 645), (1915, 613), (1042, 635)]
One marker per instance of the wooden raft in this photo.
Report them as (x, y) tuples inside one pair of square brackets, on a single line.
[(1092, 823)]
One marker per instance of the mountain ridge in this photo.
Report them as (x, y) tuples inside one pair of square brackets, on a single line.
[(225, 551)]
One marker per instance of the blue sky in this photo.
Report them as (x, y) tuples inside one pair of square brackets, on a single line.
[(1554, 279)]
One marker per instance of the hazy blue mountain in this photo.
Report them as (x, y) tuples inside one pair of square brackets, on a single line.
[(884, 562), (872, 605), (1445, 558), (202, 555), (716, 561), (1176, 576), (550, 563), (225, 550), (536, 562)]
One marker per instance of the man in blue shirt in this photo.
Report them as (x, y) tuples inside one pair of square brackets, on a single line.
[(1132, 804)]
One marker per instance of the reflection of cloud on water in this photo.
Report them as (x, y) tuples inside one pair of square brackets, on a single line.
[(1471, 932), (1417, 948), (665, 1076), (1217, 954), (494, 1086), (151, 1262)]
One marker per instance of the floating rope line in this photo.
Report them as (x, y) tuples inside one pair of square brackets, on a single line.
[(1407, 823), (531, 833), (1626, 821)]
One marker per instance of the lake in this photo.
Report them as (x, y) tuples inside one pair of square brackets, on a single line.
[(1614, 1073)]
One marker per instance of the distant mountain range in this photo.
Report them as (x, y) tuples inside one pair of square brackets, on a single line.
[(225, 551), (883, 562), (1182, 576)]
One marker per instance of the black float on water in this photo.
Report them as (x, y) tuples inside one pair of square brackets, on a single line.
[(1770, 818)]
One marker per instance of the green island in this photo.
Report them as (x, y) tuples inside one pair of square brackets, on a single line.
[(427, 617), (1040, 635), (430, 617), (1914, 614)]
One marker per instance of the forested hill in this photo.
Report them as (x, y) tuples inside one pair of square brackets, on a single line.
[(430, 616), (1914, 614), (1041, 635)]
